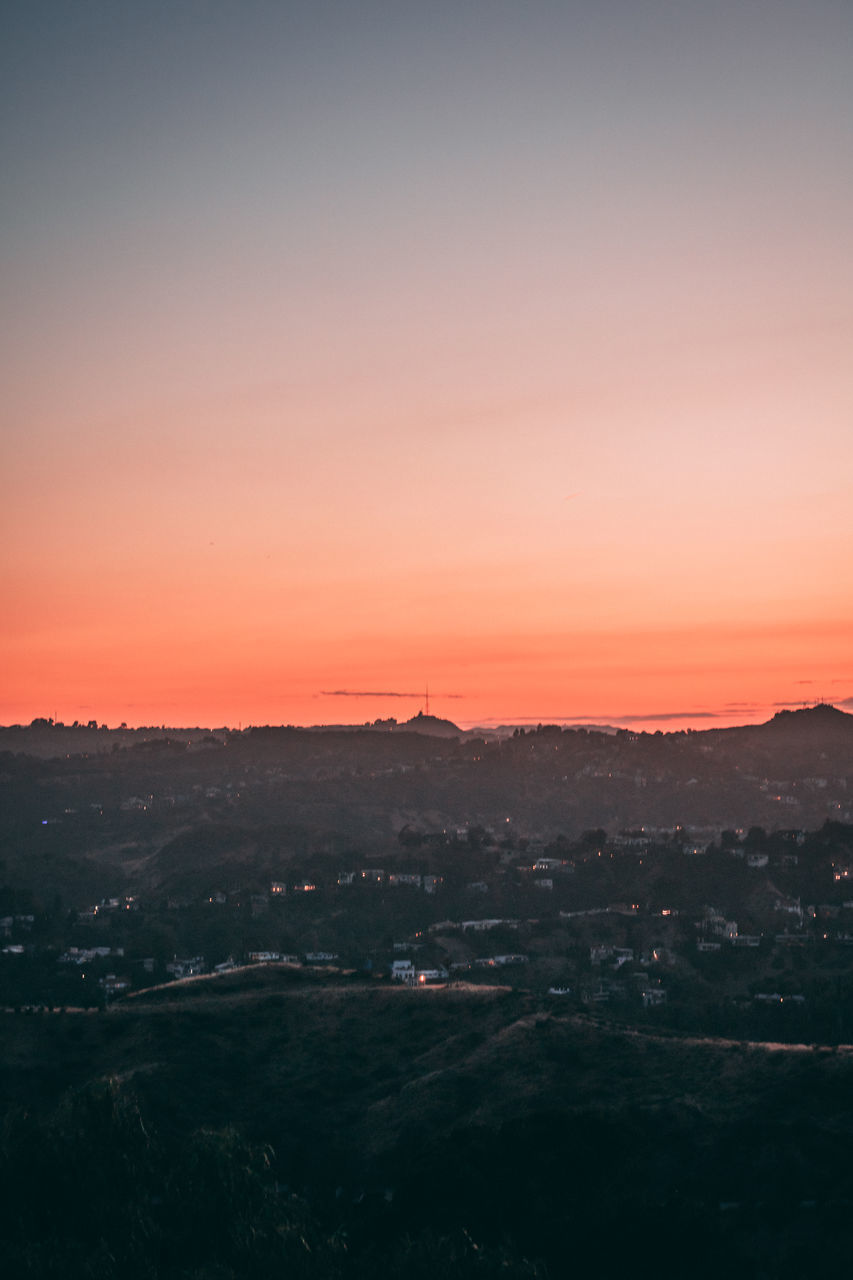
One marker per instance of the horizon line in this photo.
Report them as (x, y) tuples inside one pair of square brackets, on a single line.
[(625, 721)]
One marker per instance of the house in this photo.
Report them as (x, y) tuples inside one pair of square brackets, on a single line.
[(599, 994), (403, 971), (631, 840), (112, 985), (717, 925), (432, 884), (653, 996), (480, 926), (189, 968), (430, 975)]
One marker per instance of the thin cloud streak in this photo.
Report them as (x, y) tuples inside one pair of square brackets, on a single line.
[(673, 715), (385, 693), (793, 703), (607, 718)]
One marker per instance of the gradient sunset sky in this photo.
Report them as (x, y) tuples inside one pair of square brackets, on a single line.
[(350, 347)]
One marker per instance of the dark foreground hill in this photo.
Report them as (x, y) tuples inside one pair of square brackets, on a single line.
[(444, 1132)]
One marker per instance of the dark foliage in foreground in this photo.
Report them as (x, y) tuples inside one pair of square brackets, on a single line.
[(94, 1191), (452, 1133)]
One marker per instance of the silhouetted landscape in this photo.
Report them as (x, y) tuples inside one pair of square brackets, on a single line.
[(426, 441), (382, 1000)]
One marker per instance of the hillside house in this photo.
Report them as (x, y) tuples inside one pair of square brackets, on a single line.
[(188, 968), (403, 971), (653, 996), (481, 926), (425, 976), (113, 985)]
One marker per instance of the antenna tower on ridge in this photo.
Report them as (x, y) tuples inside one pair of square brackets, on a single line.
[(426, 701)]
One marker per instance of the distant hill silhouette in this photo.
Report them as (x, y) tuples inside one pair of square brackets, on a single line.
[(432, 725), (822, 723), (822, 714)]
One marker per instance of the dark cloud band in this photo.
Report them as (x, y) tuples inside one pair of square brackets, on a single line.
[(380, 693)]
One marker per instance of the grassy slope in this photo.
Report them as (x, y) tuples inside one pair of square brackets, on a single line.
[(365, 1068), (487, 1111)]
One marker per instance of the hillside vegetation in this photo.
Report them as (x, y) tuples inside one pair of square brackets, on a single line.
[(404, 1121)]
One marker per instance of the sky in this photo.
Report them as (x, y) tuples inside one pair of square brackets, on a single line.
[(355, 348)]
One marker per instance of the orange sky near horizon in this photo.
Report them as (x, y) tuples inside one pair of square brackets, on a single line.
[(507, 353)]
